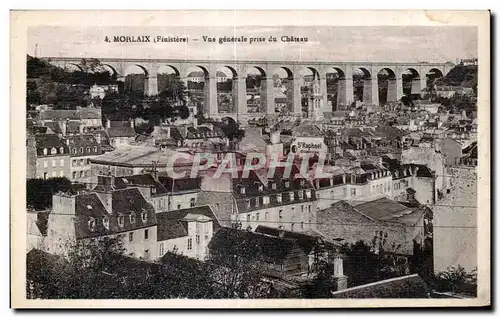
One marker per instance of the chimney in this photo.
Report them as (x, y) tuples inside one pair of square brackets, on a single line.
[(64, 125), (338, 272)]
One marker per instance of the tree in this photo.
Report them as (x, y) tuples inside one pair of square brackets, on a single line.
[(39, 191), (79, 275), (458, 280)]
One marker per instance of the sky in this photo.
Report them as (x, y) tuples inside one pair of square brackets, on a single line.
[(342, 43)]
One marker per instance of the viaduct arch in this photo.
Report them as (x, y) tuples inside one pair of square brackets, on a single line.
[(419, 71)]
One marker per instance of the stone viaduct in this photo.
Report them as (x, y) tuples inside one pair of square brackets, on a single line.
[(370, 70)]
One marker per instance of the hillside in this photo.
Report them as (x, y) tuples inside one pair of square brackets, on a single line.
[(460, 75)]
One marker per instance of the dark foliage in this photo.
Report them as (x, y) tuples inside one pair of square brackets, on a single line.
[(39, 191)]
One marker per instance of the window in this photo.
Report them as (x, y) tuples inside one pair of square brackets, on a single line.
[(131, 236), (257, 202), (309, 208), (61, 150), (353, 192), (257, 216), (178, 206), (217, 206), (61, 173), (278, 198), (292, 196), (197, 239), (74, 174), (82, 174), (74, 151), (105, 222), (292, 226), (302, 208), (265, 200), (44, 151), (54, 174), (88, 149), (162, 251), (53, 151), (144, 216), (146, 234), (266, 215), (53, 163), (95, 149), (92, 224), (280, 212), (247, 203), (74, 163), (190, 244), (331, 194), (81, 150), (302, 225), (191, 202), (132, 218), (121, 220), (293, 210), (82, 162)]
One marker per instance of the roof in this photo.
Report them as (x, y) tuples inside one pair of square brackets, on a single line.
[(385, 209), (411, 286), (305, 241), (82, 141), (307, 130), (121, 131), (140, 180), (173, 224), (180, 185), (75, 114), (49, 141), (251, 245), (135, 156), (124, 203), (389, 132)]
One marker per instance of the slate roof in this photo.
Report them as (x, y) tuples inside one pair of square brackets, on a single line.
[(180, 185), (307, 130), (75, 114), (121, 131), (124, 202), (173, 224), (305, 241), (252, 245), (385, 209), (140, 180), (49, 141)]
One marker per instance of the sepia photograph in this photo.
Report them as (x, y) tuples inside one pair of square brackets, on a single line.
[(250, 159)]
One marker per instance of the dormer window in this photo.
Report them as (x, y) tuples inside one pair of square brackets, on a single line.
[(44, 151), (81, 150), (257, 202), (265, 200), (300, 195), (105, 222), (242, 190), (308, 193), (247, 203), (74, 151), (273, 185), (132, 218), (287, 184), (278, 197), (292, 196), (153, 190), (92, 224), (302, 182), (261, 188), (121, 221), (95, 149), (144, 216), (353, 178), (61, 150), (53, 151), (88, 149)]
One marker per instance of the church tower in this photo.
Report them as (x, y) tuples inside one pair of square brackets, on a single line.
[(314, 111)]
